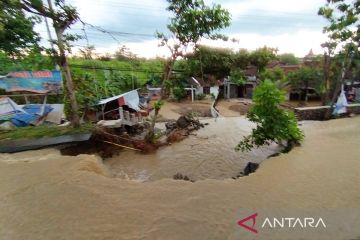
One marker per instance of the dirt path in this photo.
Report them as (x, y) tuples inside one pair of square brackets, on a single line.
[(47, 196)]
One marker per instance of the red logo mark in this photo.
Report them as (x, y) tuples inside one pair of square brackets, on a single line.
[(253, 217)]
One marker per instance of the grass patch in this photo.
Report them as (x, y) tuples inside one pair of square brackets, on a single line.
[(44, 131)]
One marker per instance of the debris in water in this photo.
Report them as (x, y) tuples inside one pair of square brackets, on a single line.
[(179, 176), (181, 128), (250, 168)]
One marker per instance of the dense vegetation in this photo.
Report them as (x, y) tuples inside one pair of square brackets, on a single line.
[(273, 124), (43, 131), (95, 78)]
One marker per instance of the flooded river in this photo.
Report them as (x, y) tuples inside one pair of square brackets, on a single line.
[(209, 154), (46, 196)]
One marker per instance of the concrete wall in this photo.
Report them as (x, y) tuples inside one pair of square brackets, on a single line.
[(199, 90), (318, 113)]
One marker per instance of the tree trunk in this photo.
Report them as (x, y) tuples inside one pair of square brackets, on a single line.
[(344, 69), (326, 71), (306, 93), (167, 75), (70, 91)]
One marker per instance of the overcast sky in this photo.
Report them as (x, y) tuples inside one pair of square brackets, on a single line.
[(291, 26)]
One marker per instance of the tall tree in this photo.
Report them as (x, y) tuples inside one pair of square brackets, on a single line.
[(276, 75), (62, 16), (87, 52), (262, 56), (288, 58), (191, 21), (304, 78), (241, 59), (344, 33), (210, 60), (16, 29), (273, 123)]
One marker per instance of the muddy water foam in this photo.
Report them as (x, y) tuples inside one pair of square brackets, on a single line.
[(209, 154)]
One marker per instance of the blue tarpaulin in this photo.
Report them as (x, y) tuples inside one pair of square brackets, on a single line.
[(31, 115), (23, 120), (36, 109)]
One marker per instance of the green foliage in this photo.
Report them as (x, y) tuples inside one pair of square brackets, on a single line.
[(43, 131), (262, 56), (275, 74), (343, 17), (91, 89), (200, 96), (241, 59), (288, 58), (152, 136), (33, 61), (158, 104), (273, 124), (179, 93), (209, 60), (222, 62), (16, 29), (238, 77), (305, 77), (193, 20), (344, 35), (142, 69), (124, 54), (87, 52), (62, 15)]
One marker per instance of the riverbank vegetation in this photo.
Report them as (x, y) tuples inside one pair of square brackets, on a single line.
[(273, 124), (43, 131), (89, 77)]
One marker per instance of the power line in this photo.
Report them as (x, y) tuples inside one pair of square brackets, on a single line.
[(118, 69), (163, 9)]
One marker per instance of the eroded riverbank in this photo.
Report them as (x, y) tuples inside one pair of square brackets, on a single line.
[(206, 154), (44, 195)]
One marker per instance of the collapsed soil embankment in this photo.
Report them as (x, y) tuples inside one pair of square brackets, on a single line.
[(108, 142), (206, 153), (45, 196)]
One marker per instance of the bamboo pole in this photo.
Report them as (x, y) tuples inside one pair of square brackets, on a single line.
[(121, 146)]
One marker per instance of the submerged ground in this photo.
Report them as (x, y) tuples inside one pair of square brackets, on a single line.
[(44, 195)]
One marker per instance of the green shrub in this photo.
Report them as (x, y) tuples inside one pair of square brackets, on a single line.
[(273, 124), (238, 77), (179, 93), (200, 96)]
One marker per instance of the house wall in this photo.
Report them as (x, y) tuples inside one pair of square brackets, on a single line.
[(318, 113), (199, 90)]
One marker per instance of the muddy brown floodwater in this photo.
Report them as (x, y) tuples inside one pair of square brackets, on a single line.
[(207, 154), (46, 196)]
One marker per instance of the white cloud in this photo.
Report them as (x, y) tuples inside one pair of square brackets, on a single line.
[(298, 43), (146, 49), (274, 7), (105, 12)]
